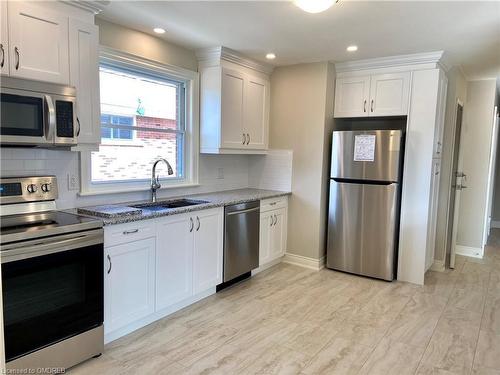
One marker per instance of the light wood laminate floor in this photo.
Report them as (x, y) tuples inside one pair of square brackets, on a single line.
[(290, 320)]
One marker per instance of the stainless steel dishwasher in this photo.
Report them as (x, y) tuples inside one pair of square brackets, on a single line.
[(241, 240)]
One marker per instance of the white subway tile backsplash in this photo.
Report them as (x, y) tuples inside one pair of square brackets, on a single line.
[(239, 171)]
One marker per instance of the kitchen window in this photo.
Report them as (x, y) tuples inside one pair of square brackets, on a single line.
[(146, 114)]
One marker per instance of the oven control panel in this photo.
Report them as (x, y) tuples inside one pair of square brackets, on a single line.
[(27, 189)]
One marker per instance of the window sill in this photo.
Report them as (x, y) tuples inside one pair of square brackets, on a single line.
[(86, 193)]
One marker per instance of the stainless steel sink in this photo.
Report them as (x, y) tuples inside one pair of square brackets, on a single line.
[(158, 206)]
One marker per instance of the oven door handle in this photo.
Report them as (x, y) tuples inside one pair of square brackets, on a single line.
[(50, 245), (51, 119)]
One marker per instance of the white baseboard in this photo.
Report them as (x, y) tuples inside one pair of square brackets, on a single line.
[(495, 224), (299, 260), (438, 266), (468, 251)]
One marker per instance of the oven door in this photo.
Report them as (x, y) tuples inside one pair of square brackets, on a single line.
[(27, 118), (52, 290)]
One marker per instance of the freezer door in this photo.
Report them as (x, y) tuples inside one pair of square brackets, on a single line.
[(366, 155), (361, 229)]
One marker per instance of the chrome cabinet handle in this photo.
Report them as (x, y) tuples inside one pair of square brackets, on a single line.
[(110, 264), (248, 138), (275, 219), (191, 227), (364, 105), (271, 221), (79, 127), (244, 139), (198, 224), (3, 55), (16, 50), (130, 231), (372, 105)]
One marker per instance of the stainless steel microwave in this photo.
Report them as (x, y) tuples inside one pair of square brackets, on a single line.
[(37, 113)]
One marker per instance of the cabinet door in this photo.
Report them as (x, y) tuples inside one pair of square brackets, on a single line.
[(351, 96), (84, 75), (433, 210), (38, 43), (233, 84), (278, 233), (256, 112), (440, 112), (174, 260), (129, 283), (208, 249), (265, 237), (4, 39), (389, 94)]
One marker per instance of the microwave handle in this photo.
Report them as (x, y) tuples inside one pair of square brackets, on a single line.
[(51, 117)]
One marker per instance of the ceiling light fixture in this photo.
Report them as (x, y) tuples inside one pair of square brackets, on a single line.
[(314, 6), (352, 48), (159, 30), (270, 56)]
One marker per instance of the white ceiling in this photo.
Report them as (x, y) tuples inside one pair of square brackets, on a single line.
[(469, 32)]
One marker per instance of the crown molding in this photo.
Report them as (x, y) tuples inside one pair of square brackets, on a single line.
[(436, 57), (215, 54), (93, 6)]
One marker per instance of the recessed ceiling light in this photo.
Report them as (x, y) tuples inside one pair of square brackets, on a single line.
[(270, 56), (159, 30), (352, 48), (314, 6)]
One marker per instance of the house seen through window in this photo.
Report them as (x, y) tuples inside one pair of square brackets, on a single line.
[(142, 119)]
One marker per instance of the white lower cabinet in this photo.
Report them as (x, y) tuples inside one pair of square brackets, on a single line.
[(273, 230), (147, 278), (174, 260), (208, 249), (129, 283)]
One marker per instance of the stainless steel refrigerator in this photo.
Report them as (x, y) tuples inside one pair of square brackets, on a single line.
[(363, 216)]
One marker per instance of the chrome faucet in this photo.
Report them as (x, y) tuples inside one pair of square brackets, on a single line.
[(155, 181)]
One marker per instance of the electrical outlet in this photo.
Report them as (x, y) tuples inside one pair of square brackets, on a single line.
[(220, 173), (73, 183)]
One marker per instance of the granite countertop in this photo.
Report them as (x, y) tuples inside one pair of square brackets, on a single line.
[(123, 213)]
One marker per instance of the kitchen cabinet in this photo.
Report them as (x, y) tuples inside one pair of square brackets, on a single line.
[(234, 104), (372, 95), (433, 210), (4, 39), (38, 43), (208, 249), (440, 113), (174, 258), (273, 230), (129, 283), (84, 75)]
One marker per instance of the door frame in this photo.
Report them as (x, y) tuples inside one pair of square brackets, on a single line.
[(456, 207), (491, 177)]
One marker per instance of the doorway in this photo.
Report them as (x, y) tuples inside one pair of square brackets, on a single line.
[(458, 180)]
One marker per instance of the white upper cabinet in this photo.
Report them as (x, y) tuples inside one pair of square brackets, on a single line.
[(234, 103), (372, 95), (352, 96), (129, 283), (38, 43), (256, 117), (233, 85), (208, 249), (84, 75), (4, 39), (389, 94), (174, 258)]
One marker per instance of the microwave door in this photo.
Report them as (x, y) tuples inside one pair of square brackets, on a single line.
[(23, 118)]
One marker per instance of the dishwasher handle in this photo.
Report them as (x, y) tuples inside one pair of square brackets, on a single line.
[(243, 211)]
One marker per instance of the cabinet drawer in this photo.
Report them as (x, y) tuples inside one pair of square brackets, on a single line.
[(273, 203), (122, 233)]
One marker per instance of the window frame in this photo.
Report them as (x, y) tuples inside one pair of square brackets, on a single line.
[(111, 57)]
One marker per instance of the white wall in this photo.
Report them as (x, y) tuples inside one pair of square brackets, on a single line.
[(476, 143), (457, 90), (301, 103)]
